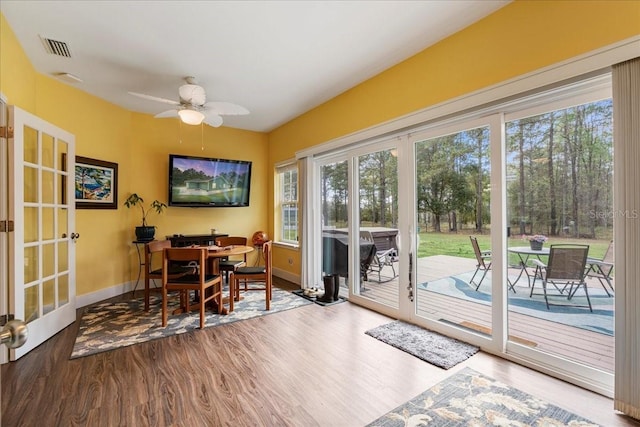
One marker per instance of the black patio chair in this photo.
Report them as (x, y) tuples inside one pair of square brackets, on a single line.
[(566, 266), (602, 269), (484, 261)]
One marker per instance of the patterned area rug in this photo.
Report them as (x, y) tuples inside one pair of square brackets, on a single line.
[(107, 326), (600, 320), (429, 346), (472, 399)]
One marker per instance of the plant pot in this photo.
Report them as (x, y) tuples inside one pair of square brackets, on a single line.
[(146, 233), (535, 246)]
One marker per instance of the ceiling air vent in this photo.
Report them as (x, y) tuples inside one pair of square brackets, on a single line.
[(55, 47)]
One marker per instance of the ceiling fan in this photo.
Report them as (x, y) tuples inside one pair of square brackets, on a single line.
[(193, 108)]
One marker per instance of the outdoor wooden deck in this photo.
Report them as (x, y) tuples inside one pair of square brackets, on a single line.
[(591, 348)]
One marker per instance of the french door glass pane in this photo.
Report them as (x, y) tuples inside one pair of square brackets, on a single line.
[(30, 150), (31, 260), (48, 183), (48, 296), (30, 185), (453, 193), (63, 289), (47, 150), (31, 303), (560, 188), (48, 223), (31, 228)]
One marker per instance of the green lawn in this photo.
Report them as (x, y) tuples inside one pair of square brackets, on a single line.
[(458, 244)]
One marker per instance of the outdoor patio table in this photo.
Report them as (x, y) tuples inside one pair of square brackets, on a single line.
[(524, 252)]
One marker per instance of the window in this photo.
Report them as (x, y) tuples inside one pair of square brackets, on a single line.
[(287, 203)]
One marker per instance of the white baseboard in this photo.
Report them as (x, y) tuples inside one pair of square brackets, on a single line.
[(117, 290), (283, 274), (102, 294)]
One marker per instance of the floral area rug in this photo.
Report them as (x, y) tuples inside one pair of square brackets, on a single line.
[(472, 399), (429, 346), (110, 325)]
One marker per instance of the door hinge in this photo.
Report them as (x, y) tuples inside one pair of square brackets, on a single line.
[(4, 318), (6, 226), (6, 132)]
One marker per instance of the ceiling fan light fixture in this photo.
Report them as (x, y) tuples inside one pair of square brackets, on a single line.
[(191, 117)]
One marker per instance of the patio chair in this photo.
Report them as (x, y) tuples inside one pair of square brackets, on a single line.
[(381, 259), (566, 266), (601, 269), (484, 262)]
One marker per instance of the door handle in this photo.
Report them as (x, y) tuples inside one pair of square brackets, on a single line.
[(14, 334), (64, 235), (75, 236)]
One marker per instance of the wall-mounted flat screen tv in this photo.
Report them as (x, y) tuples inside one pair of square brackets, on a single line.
[(208, 182)]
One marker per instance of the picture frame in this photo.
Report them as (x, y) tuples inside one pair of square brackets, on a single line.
[(96, 184)]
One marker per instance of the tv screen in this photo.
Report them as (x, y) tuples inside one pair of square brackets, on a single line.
[(207, 182)]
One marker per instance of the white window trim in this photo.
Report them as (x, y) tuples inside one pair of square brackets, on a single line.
[(280, 168)]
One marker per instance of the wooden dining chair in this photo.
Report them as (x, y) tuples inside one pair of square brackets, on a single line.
[(228, 265), (209, 286), (250, 276), (175, 270)]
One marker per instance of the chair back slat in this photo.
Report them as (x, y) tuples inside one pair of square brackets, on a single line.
[(567, 262), (266, 253), (152, 248), (476, 250), (196, 257), (231, 240), (608, 255)]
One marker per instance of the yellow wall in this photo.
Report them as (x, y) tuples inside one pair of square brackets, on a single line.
[(140, 145), (156, 139), (519, 38)]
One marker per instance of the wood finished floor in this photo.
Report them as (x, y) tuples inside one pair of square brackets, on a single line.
[(311, 366)]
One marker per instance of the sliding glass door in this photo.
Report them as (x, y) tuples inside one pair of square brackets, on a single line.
[(438, 226), (359, 224), (452, 218), (377, 220), (559, 167)]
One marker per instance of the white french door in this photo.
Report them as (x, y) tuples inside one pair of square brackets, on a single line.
[(41, 204)]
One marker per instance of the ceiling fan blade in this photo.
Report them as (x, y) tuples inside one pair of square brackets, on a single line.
[(165, 114), (225, 108), (213, 120), (192, 94), (154, 98)]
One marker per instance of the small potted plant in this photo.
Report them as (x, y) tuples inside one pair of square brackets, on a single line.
[(536, 241), (145, 232)]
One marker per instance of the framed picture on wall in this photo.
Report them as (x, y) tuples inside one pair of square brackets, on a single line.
[(96, 184)]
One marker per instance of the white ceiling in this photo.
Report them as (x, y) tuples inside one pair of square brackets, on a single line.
[(279, 59)]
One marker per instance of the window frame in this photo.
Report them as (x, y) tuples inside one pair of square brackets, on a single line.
[(282, 171)]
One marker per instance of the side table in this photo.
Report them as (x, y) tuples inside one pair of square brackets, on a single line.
[(140, 244)]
